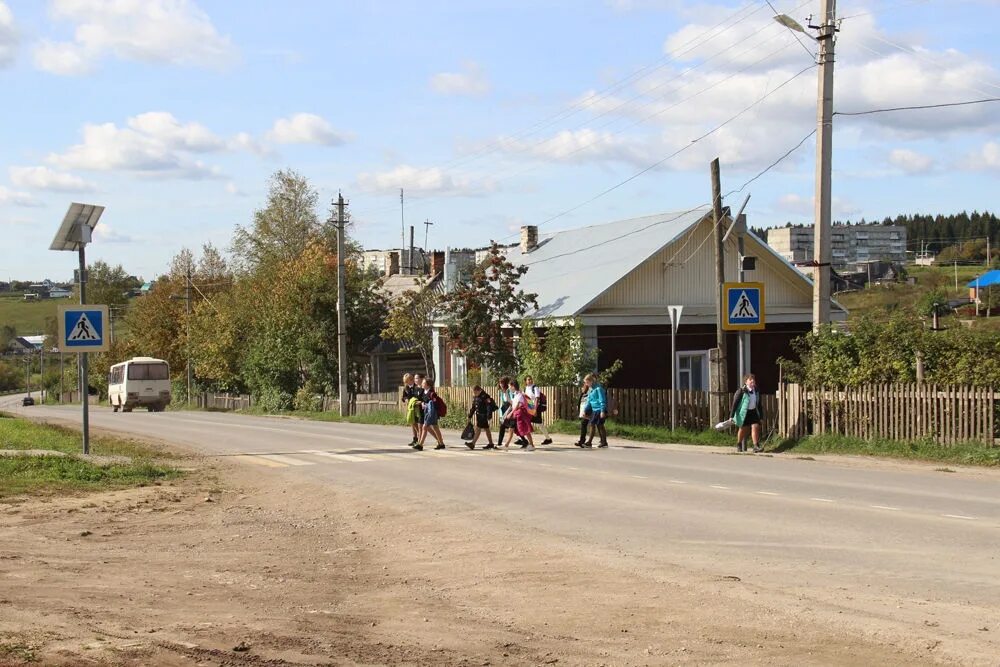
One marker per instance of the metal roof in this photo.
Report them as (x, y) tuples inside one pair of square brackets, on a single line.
[(569, 269), (987, 279)]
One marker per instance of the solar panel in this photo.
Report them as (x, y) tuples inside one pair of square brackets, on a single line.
[(77, 226)]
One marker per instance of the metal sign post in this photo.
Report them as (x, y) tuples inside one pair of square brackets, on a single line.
[(675, 320), (81, 329)]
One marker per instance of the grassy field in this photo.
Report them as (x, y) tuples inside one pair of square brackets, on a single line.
[(27, 317), (880, 298), (46, 475)]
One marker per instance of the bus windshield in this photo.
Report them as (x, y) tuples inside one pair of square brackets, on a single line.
[(148, 372)]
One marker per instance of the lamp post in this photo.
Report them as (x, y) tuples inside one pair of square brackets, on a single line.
[(75, 232), (822, 253)]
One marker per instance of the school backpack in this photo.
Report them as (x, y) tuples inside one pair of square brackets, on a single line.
[(442, 407), (543, 402)]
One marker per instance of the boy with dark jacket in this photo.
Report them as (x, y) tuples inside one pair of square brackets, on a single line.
[(483, 407)]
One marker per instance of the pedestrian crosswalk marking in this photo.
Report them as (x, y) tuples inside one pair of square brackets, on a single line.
[(249, 458), (287, 460), (334, 455)]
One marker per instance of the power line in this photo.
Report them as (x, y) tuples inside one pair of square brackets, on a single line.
[(773, 164), (916, 107), (812, 56), (588, 102), (679, 150)]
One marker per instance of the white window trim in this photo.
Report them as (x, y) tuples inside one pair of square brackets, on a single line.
[(704, 366)]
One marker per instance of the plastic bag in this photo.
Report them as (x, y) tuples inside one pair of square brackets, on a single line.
[(469, 433)]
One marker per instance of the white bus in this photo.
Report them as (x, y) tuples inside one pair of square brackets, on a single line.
[(142, 381)]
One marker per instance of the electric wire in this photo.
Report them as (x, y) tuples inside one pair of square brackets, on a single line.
[(917, 107), (680, 150)]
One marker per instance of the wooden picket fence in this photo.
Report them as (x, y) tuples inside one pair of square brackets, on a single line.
[(212, 401), (945, 414), (650, 407)]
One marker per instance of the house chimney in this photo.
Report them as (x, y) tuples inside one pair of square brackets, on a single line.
[(392, 264), (437, 263), (529, 238)]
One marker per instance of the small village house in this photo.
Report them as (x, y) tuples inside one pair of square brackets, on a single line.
[(618, 279)]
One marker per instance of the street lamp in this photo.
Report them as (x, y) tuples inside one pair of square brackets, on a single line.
[(75, 232), (822, 253)]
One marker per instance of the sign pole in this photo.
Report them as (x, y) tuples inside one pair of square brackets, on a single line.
[(675, 320), (84, 363)]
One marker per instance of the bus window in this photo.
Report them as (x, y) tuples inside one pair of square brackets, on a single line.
[(148, 372)]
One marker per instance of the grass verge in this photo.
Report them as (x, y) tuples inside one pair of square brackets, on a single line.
[(969, 453), (52, 474)]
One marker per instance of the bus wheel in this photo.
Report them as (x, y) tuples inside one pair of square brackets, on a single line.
[(114, 408)]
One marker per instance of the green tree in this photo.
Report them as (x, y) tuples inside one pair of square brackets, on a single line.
[(555, 354), (106, 284), (481, 313), (282, 230), (409, 323)]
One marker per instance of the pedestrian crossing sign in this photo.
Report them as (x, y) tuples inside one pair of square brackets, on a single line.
[(743, 304), (83, 328)]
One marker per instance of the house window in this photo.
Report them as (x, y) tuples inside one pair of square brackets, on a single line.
[(692, 371), (459, 370)]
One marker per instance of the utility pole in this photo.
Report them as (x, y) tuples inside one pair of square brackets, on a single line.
[(718, 381), (342, 309), (427, 227), (989, 263), (402, 230), (187, 311), (824, 164), (410, 260)]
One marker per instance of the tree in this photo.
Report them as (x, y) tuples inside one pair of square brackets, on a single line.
[(479, 312), (409, 323), (286, 225), (107, 285), (559, 356)]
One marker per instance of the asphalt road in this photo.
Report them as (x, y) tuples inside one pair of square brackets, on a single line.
[(899, 543)]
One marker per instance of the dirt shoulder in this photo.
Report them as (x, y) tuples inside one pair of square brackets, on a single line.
[(228, 567)]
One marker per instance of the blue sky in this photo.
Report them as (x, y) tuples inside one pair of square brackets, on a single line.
[(173, 114)]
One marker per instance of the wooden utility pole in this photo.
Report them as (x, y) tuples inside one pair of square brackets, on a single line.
[(187, 313), (718, 384), (342, 311)]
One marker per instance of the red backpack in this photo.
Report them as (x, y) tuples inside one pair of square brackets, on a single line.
[(442, 407)]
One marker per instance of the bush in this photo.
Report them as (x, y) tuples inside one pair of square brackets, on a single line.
[(274, 400), (307, 399)]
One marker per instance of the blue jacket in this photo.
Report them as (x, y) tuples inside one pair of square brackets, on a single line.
[(598, 399)]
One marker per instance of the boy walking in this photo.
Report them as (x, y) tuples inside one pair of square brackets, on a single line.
[(411, 400), (483, 407)]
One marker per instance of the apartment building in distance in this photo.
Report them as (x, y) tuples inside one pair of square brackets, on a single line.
[(852, 245)]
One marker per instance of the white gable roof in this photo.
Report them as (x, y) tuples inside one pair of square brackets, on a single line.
[(569, 269)]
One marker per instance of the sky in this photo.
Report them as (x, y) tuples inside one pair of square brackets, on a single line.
[(490, 115)]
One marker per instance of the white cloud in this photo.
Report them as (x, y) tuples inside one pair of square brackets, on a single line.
[(154, 143), (305, 128), (175, 32), (43, 178), (9, 37), (163, 126), (233, 189), (8, 196), (471, 81), (108, 234), (672, 105), (803, 206), (988, 157), (910, 161), (431, 180)]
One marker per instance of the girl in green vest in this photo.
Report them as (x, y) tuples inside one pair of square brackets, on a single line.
[(747, 413)]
